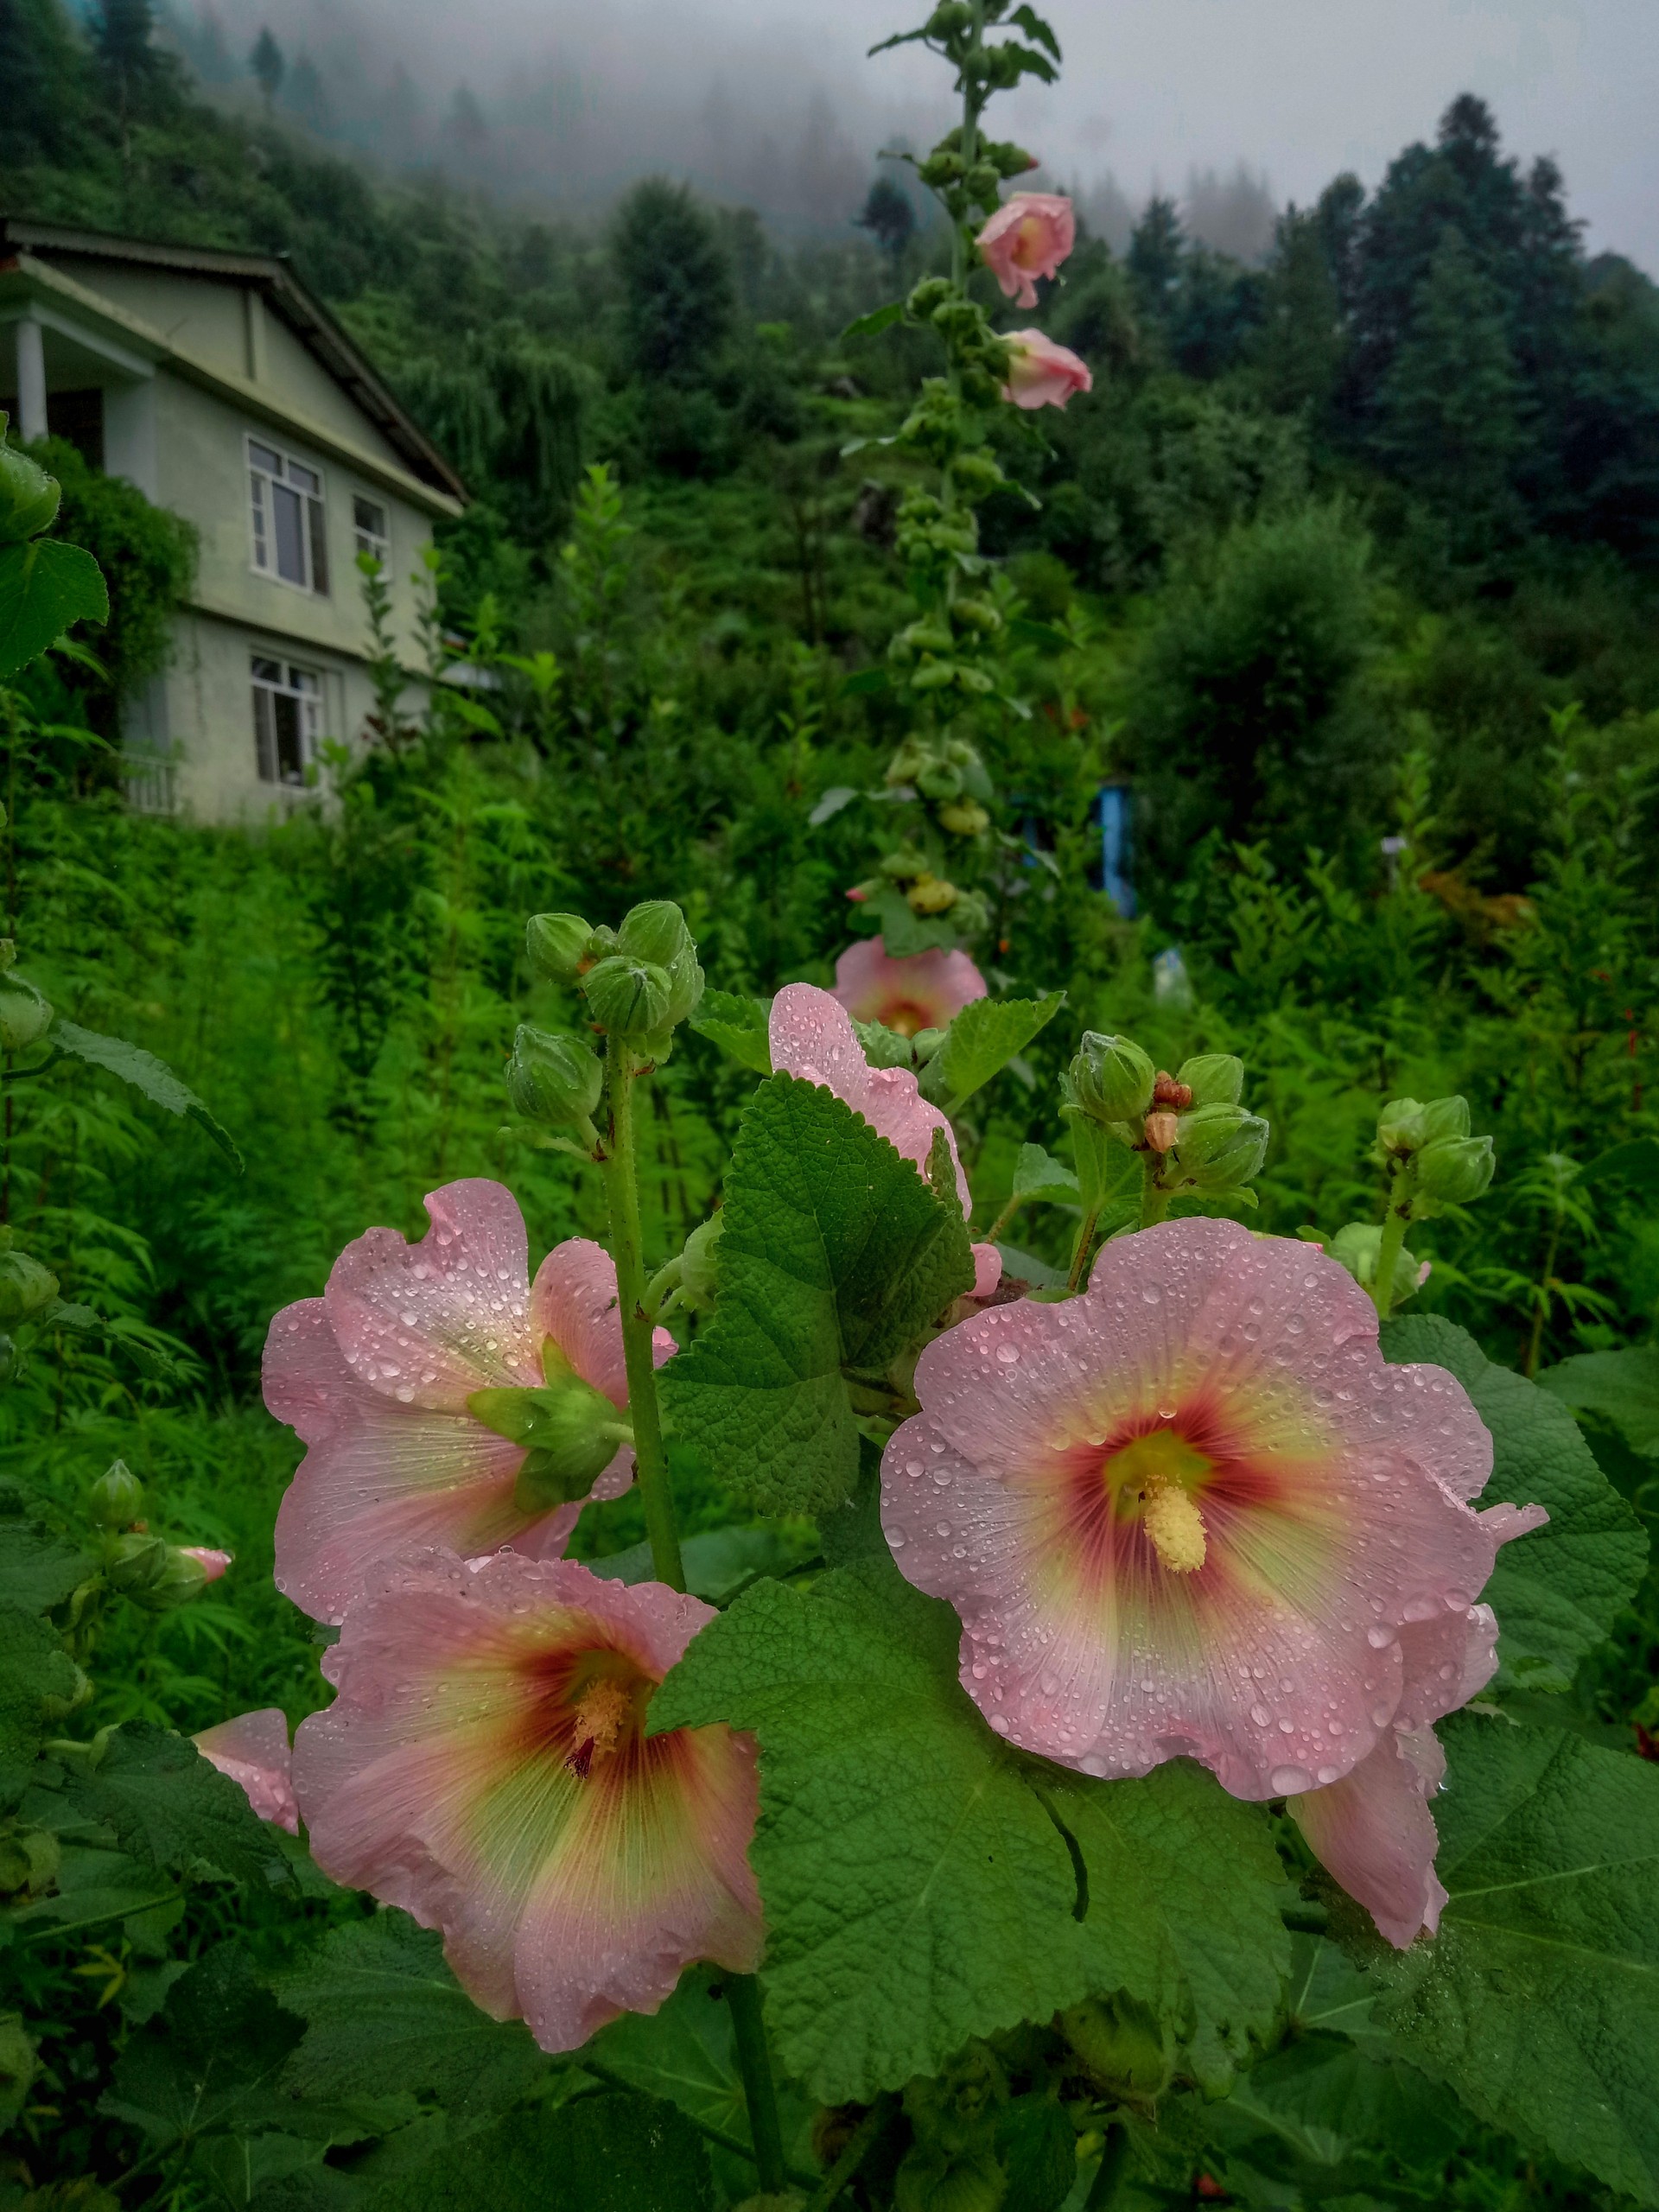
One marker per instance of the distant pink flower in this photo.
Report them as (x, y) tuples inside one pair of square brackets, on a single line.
[(1029, 236), (375, 1376), (212, 1563), (925, 990), (1042, 373), (1193, 1513), (812, 1037), (253, 1750), (484, 1766)]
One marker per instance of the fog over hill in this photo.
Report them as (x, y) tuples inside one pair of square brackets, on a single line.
[(1229, 106)]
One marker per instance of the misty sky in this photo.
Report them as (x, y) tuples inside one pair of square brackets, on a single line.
[(1152, 89)]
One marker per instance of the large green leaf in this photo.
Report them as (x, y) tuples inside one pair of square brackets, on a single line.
[(738, 1025), (1557, 1592), (145, 1072), (618, 2153), (44, 586), (919, 1890), (383, 2014), (1623, 1385), (172, 1808), (38, 1568), (1538, 2002), (835, 1255), (981, 1041), (39, 1683), (1303, 2115), (210, 2059)]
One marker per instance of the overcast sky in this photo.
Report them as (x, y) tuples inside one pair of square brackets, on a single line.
[(1295, 89)]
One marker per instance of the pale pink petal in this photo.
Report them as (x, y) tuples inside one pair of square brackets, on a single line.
[(1505, 1522), (987, 1270), (212, 1563), (1373, 1831), (1029, 236), (1042, 373), (252, 1750), (1278, 1661), (573, 1301), (380, 1476), (443, 1779), (812, 1037), (1447, 1661), (925, 990), (428, 1324)]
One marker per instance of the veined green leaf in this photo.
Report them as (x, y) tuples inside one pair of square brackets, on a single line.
[(981, 1041), (45, 585), (738, 1025), (145, 1072)]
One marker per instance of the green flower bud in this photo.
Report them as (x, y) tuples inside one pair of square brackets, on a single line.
[(26, 1287), (180, 1576), (1444, 1117), (1125, 2050), (552, 1079), (116, 1498), (1219, 1147), (656, 935), (1111, 1078), (1452, 1172), (1357, 1247), (1399, 1126), (559, 946), (699, 1265), (134, 1561), (25, 1016), (570, 1432), (1213, 1079), (628, 998), (28, 497)]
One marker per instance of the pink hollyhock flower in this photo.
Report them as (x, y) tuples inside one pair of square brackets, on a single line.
[(375, 1375), (812, 1037), (253, 1750), (484, 1766), (927, 990), (1029, 236), (1042, 373), (1193, 1513), (212, 1563)]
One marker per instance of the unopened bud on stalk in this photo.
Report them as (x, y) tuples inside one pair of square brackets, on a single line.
[(1162, 1129), (1124, 2049), (1111, 1078), (628, 998), (699, 1265), (1213, 1079), (25, 1016), (553, 1079), (1220, 1147), (932, 894), (1452, 1172), (184, 1572), (116, 1498), (559, 946), (656, 935)]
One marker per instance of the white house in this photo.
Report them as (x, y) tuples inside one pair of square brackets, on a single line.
[(218, 385)]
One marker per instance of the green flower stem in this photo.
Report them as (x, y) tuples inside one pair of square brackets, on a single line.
[(1080, 1250), (1395, 1223), (859, 2145), (665, 1280), (1155, 1200), (622, 1189), (754, 2064), (1112, 2159), (999, 1227)]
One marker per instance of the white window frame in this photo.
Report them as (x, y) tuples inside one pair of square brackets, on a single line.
[(365, 539), (274, 678), (273, 473)]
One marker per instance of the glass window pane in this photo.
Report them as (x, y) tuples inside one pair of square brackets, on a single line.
[(303, 679), (306, 479), (263, 457), (370, 518), (288, 510), (264, 735), (267, 671), (318, 521), (291, 746)]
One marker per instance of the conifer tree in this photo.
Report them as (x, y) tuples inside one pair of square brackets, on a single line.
[(268, 65)]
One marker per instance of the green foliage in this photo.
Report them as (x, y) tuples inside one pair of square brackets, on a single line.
[(677, 281), (981, 1041), (45, 588), (835, 1255)]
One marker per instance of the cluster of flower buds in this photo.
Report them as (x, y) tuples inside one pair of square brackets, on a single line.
[(1192, 1122), (641, 982), (1433, 1160), (965, 186), (925, 892), (155, 1575), (28, 1300)]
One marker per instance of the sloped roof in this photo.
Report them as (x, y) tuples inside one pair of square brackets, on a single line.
[(284, 295)]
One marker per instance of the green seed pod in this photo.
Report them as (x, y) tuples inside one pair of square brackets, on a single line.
[(1219, 1147), (570, 1432), (116, 1498), (28, 497), (26, 1288), (1111, 1078), (1214, 1078), (1452, 1172), (699, 1266), (627, 998), (25, 1016), (178, 1578), (134, 1561), (552, 1079), (560, 945), (1125, 2050), (655, 934), (1399, 1126)]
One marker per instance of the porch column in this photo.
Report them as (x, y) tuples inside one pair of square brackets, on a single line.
[(31, 382)]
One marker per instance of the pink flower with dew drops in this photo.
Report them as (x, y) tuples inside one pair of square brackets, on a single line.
[(484, 1766), (252, 1750), (812, 1037), (375, 1376), (1042, 373), (212, 1563), (1192, 1513), (1029, 236), (925, 990)]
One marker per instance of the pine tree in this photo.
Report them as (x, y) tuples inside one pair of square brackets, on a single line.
[(268, 65), (676, 283), (1298, 351), (1157, 249), (889, 218)]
